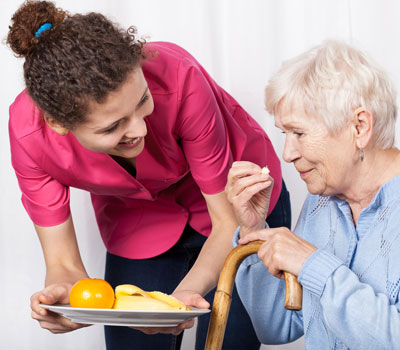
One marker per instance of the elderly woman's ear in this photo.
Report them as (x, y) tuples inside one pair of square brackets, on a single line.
[(362, 127)]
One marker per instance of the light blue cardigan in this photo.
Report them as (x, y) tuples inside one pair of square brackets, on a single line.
[(350, 284)]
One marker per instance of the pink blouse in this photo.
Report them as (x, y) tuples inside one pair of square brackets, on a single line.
[(194, 134)]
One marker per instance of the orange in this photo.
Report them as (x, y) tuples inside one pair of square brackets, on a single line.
[(92, 293)]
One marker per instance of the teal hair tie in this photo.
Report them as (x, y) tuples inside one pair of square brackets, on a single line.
[(43, 28)]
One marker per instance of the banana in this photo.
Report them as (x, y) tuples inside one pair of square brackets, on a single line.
[(169, 299), (130, 297), (129, 289), (135, 302)]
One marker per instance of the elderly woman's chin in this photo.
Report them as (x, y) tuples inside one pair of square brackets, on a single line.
[(314, 189), (318, 187)]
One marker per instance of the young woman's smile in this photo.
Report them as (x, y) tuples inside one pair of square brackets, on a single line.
[(131, 143)]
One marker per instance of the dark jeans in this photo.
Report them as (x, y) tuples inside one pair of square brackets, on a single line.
[(164, 273)]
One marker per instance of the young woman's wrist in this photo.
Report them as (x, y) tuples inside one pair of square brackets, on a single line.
[(64, 275)]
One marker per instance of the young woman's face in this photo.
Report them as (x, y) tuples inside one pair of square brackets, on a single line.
[(117, 126), (323, 161)]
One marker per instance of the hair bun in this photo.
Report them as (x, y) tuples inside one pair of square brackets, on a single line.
[(27, 20)]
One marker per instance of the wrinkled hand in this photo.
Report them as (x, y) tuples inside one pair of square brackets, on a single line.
[(55, 323), (282, 250), (190, 299), (249, 192)]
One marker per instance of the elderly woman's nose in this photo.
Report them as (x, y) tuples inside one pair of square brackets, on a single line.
[(290, 151)]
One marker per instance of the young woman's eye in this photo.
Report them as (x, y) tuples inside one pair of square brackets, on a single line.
[(143, 101), (110, 130)]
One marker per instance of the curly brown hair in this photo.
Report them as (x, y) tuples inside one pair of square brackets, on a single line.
[(81, 58)]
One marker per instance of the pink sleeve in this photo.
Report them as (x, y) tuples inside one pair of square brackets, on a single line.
[(205, 139), (44, 198)]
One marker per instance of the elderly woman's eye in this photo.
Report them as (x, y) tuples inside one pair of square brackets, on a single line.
[(297, 133)]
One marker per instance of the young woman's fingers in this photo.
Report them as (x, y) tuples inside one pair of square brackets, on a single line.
[(50, 295), (167, 330)]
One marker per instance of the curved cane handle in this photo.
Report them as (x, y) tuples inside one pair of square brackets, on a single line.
[(223, 295), (293, 292)]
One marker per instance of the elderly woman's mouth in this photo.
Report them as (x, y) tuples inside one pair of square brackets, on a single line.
[(304, 174)]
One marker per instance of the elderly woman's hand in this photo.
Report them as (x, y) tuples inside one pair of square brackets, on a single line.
[(249, 192), (282, 250)]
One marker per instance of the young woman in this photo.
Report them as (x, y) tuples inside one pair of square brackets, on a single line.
[(151, 136)]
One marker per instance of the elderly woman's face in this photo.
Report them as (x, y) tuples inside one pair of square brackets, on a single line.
[(322, 160)]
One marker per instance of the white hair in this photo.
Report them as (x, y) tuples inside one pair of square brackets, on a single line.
[(331, 81)]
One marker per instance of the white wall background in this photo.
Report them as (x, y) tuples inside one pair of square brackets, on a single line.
[(241, 43)]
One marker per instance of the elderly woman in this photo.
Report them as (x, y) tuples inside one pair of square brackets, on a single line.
[(338, 112)]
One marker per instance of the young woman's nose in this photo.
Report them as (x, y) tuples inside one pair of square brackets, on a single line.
[(136, 128)]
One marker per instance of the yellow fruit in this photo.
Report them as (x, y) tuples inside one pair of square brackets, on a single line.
[(169, 299), (135, 302), (129, 289), (130, 297)]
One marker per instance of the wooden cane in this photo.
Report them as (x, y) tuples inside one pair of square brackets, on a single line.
[(223, 295)]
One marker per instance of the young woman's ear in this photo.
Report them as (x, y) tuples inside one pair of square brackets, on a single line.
[(55, 125), (363, 123)]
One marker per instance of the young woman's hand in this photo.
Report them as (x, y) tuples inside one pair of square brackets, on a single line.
[(63, 268), (282, 250), (53, 294), (249, 192), (190, 299)]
